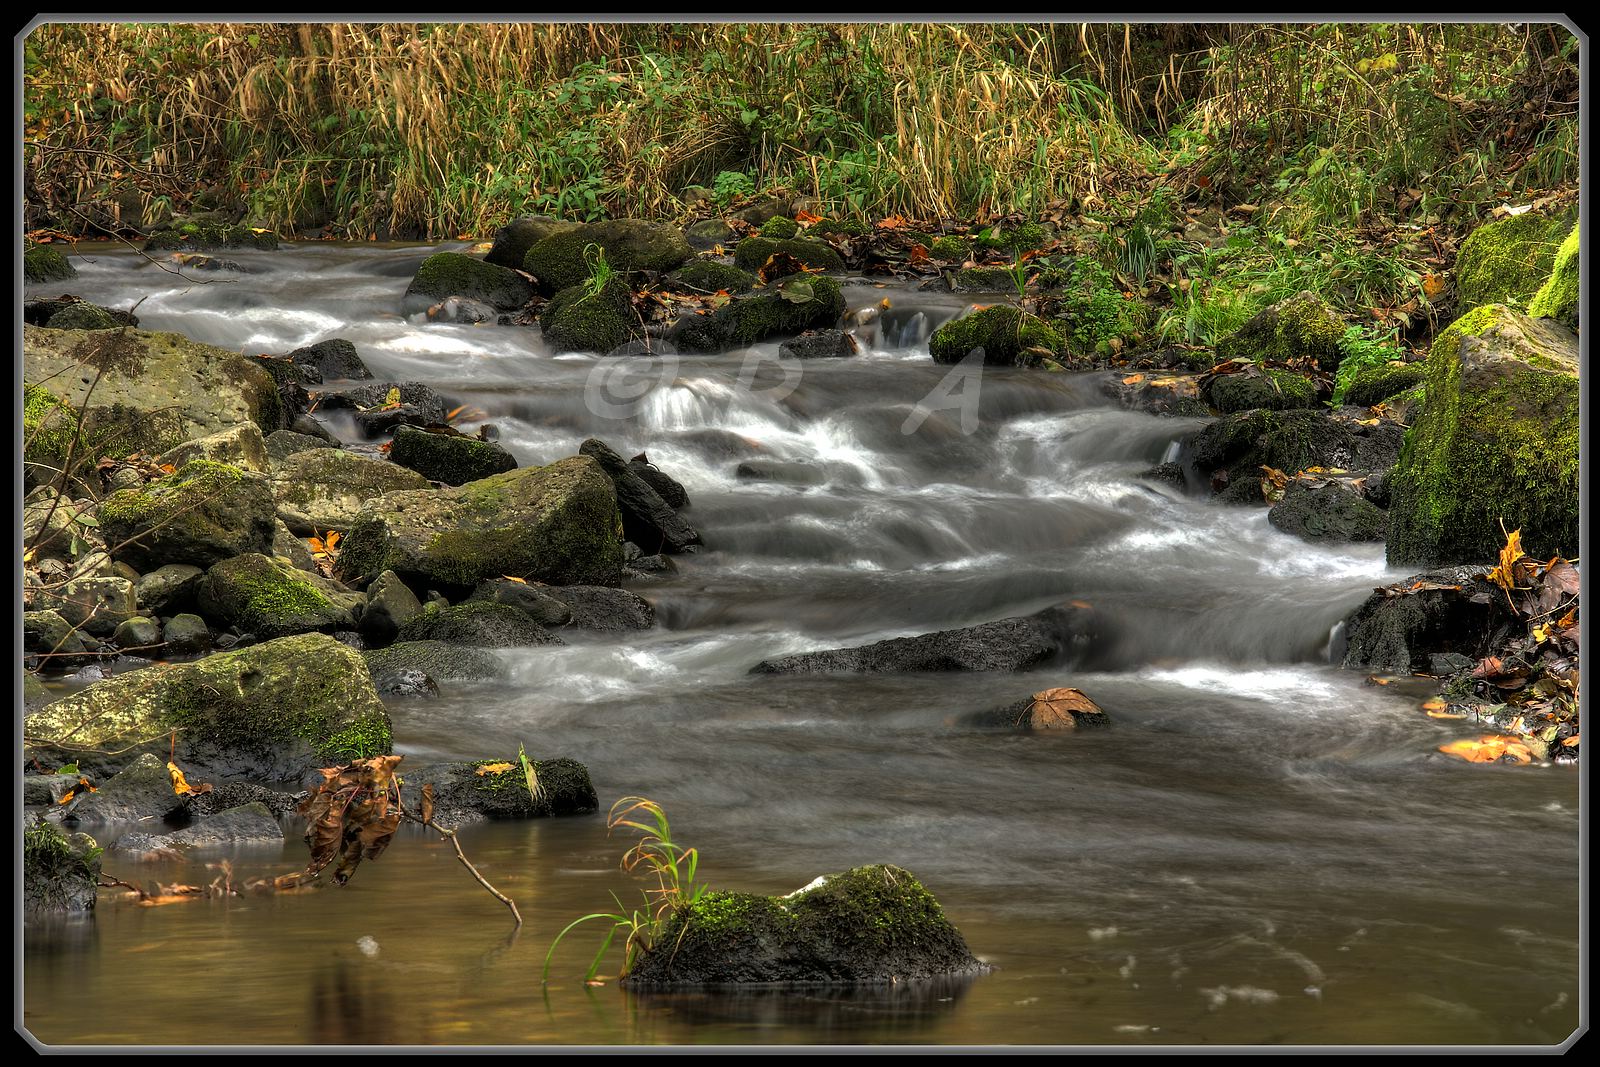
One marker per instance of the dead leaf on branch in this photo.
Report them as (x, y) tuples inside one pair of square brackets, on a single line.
[(353, 815)]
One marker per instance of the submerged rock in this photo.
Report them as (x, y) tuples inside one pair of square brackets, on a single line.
[(1062, 708), (435, 659), (535, 601), (819, 344), (798, 304), (1013, 644), (1233, 449), (595, 607), (249, 825), (480, 623), (868, 925)]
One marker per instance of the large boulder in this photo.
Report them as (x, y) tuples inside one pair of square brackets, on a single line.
[(512, 241), (148, 392), (1300, 327), (257, 594), (1505, 262), (467, 793), (1330, 512), (798, 253), (479, 623), (59, 873), (872, 924), (272, 711), (558, 523), (1558, 297), (436, 659), (578, 319), (1497, 444), (322, 489), (798, 304), (1014, 644), (1007, 336), (562, 259), (201, 514), (647, 520), (448, 457), (447, 274)]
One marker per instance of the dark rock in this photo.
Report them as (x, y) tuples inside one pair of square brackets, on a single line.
[(708, 276), (451, 458), (225, 795), (709, 233), (652, 565), (186, 633), (1442, 664), (797, 305), (464, 795), (464, 312), (281, 444), (1167, 474), (535, 601), (819, 344), (204, 513), (479, 623), (390, 605), (210, 237), (142, 790), (1331, 512), (59, 873), (42, 264), (291, 382), (1399, 628), (419, 406), (768, 470), (1232, 450), (46, 790), (1272, 389), (596, 607), (512, 241), (48, 635), (578, 319), (1376, 489), (35, 694), (305, 424), (1049, 709), (405, 682), (647, 520), (81, 315), (435, 659), (868, 925), (981, 280), (446, 274), (246, 826), (666, 486), (137, 632), (1056, 634), (332, 358)]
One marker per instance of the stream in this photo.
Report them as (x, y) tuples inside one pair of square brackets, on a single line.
[(1260, 848)]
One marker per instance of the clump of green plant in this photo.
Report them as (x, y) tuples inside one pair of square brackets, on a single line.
[(656, 855), (600, 272), (1361, 349), (730, 185)]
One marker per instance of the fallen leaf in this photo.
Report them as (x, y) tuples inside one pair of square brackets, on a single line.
[(494, 768), (1060, 709)]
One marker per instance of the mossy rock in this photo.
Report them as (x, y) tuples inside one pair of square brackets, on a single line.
[(258, 595), (1558, 297), (239, 446), (42, 264), (478, 623), (154, 391), (273, 711), (1275, 390), (753, 252), (1506, 262), (453, 459), (950, 247), (512, 241), (560, 260), (1023, 238), (558, 523), (708, 276), (1497, 443), (981, 280), (203, 513), (1380, 383), (437, 659), (211, 237), (841, 227), (1008, 337), (47, 434), (780, 227), (874, 924), (322, 489), (776, 311), (580, 320), (83, 316), (1300, 327), (1234, 448), (59, 874), (466, 792), (447, 274)]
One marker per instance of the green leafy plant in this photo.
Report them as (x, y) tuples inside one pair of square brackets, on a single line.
[(670, 864), (600, 272), (1362, 350)]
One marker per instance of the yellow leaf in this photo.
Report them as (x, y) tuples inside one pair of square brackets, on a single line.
[(180, 785), (1504, 574), (514, 578), (494, 768), (393, 397)]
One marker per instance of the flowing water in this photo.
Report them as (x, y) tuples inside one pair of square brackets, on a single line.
[(1261, 848)]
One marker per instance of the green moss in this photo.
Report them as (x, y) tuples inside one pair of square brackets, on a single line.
[(1558, 297), (763, 315), (1023, 238), (83, 316), (916, 237), (1380, 383), (209, 237), (362, 739), (1505, 262), (454, 274), (45, 263), (1007, 336), (780, 227), (983, 280), (48, 426), (167, 498), (707, 276), (1273, 389), (842, 227), (753, 252), (1502, 450), (273, 601), (951, 248), (579, 320), (1091, 309), (560, 261), (1300, 327), (59, 875)]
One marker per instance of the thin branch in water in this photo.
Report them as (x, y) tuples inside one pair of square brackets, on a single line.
[(450, 835)]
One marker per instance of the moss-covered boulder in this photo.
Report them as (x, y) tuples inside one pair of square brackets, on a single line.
[(59, 873), (512, 241), (48, 433), (709, 276), (558, 523), (42, 264), (1276, 390), (1008, 336), (240, 446), (322, 489), (1380, 383), (257, 594), (789, 308), (437, 659), (1327, 513), (1505, 262), (752, 253), (446, 274), (1557, 298), (81, 315), (272, 711), (479, 623), (211, 237), (466, 793), (868, 925), (1300, 327), (578, 319), (203, 513), (950, 247), (448, 457), (154, 390), (780, 227), (1497, 443), (981, 280), (562, 260)]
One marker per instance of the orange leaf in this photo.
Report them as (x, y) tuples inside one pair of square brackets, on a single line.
[(514, 578), (893, 222), (806, 218), (494, 768)]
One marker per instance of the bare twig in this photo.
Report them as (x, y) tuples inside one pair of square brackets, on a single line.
[(450, 835)]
